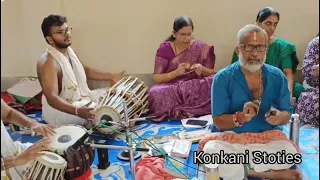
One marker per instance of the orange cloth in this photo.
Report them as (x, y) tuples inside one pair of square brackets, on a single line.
[(246, 138), (152, 168)]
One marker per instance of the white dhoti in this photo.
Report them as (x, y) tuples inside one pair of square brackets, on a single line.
[(55, 117), (74, 90), (10, 149)]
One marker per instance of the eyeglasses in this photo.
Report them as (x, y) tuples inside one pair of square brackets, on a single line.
[(250, 48), (186, 34), (63, 31)]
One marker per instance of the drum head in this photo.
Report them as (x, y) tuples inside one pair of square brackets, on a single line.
[(52, 159), (66, 136), (105, 114), (50, 166)]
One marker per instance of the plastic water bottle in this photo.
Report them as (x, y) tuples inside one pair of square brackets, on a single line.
[(294, 129), (212, 172), (4, 176)]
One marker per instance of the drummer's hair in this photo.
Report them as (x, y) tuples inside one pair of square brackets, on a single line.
[(52, 20)]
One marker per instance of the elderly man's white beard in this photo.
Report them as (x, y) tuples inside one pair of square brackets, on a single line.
[(251, 67)]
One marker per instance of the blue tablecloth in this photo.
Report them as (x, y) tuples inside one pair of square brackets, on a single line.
[(119, 169)]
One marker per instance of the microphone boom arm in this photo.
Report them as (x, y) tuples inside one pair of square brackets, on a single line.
[(118, 147)]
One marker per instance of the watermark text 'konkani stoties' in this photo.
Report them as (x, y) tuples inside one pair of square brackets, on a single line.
[(258, 157)]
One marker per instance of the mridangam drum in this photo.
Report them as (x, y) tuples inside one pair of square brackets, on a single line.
[(81, 161), (110, 107), (51, 166), (106, 115)]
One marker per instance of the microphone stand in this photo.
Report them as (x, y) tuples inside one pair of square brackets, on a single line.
[(131, 150)]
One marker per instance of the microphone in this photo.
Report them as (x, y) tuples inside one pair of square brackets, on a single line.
[(142, 149), (148, 118), (71, 150)]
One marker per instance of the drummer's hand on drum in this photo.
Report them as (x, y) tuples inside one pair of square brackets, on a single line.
[(86, 113), (43, 129), (33, 152)]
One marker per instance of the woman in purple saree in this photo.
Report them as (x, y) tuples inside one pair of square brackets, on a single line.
[(183, 75), (308, 102)]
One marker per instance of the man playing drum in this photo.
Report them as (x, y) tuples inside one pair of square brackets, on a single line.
[(250, 103), (64, 79), (16, 155)]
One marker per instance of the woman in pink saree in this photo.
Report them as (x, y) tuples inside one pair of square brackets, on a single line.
[(183, 75)]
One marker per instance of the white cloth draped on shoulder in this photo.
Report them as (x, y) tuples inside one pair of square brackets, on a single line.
[(74, 89)]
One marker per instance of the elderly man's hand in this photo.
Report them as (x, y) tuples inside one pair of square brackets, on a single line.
[(249, 110), (273, 117)]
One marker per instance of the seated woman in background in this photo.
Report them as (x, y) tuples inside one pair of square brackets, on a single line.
[(281, 53), (308, 102), (183, 75)]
